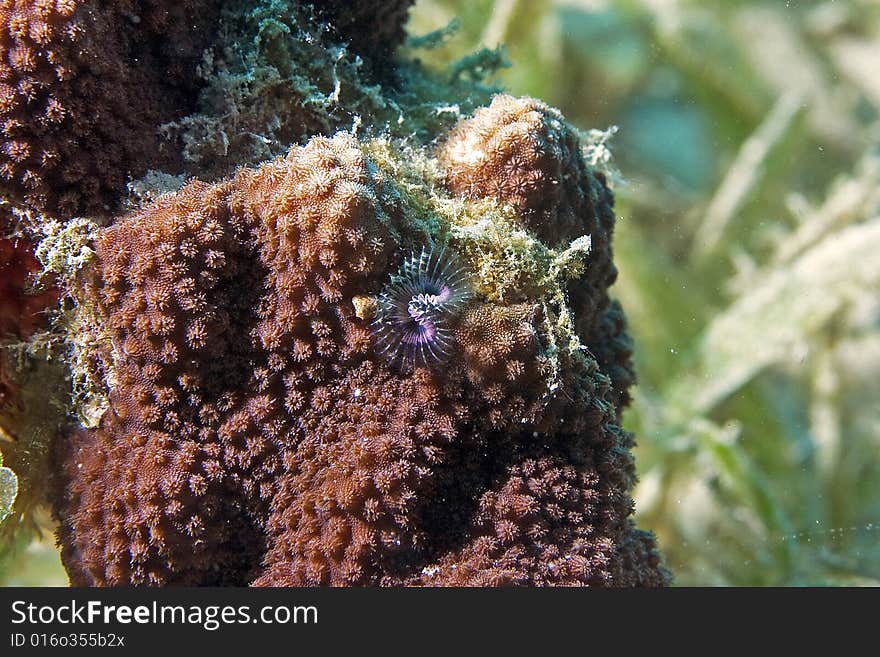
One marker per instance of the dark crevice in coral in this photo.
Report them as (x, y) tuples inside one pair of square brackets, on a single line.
[(472, 467)]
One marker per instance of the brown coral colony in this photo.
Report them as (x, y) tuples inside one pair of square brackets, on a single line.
[(254, 435), (523, 153), (254, 432), (83, 88)]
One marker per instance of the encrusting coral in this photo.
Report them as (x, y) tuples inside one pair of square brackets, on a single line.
[(256, 415), (522, 153), (209, 294), (255, 435), (83, 86)]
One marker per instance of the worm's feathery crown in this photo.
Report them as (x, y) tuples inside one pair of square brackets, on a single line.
[(415, 309)]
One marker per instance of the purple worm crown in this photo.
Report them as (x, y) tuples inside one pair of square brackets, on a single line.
[(416, 308)]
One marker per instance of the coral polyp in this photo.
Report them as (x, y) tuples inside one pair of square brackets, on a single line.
[(416, 309)]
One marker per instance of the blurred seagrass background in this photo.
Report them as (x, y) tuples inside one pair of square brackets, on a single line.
[(748, 244), (747, 154)]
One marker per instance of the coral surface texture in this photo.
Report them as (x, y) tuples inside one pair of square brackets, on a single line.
[(381, 356)]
